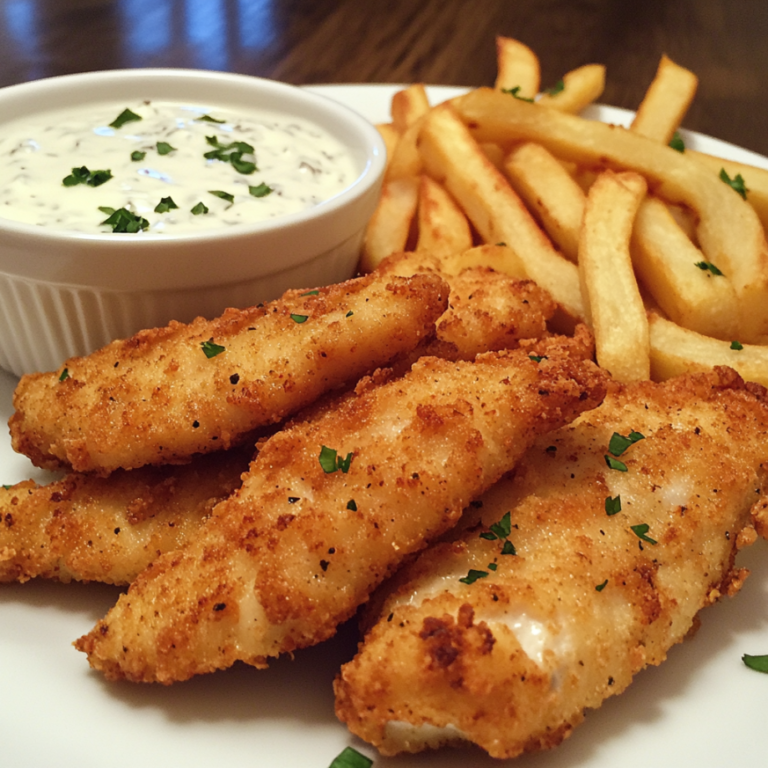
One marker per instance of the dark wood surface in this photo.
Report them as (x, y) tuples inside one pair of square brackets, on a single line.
[(433, 41)]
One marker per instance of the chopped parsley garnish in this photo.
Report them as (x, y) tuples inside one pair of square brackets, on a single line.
[(641, 530), (231, 153), (82, 175), (299, 318), (230, 198), (618, 443), (758, 663), (211, 349), (737, 345), (164, 148), (349, 314), (7, 487), (537, 358), (708, 265), (351, 758), (514, 92), (492, 566), (260, 190), (612, 505), (316, 292), (736, 183), (508, 548), (64, 375), (123, 220), (677, 142), (351, 505), (558, 87), (137, 155), (615, 463), (209, 119), (166, 204), (601, 587), (500, 530), (198, 209), (330, 460), (126, 116), (473, 576)]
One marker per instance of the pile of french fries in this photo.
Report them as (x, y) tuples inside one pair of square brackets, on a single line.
[(659, 249)]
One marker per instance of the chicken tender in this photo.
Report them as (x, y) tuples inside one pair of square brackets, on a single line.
[(569, 576), (89, 528), (166, 394), (329, 509)]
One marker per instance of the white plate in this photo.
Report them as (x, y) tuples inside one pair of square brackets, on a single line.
[(702, 708)]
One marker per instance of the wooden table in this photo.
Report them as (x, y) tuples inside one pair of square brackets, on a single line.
[(433, 41)]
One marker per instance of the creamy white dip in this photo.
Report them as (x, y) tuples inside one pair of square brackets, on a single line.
[(298, 162)]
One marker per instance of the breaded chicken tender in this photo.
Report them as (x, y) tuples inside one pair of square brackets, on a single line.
[(487, 311), (569, 576), (330, 507), (90, 528), (169, 393)]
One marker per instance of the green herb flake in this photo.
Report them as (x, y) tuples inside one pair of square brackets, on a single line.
[(137, 155), (558, 87), (473, 576), (199, 209), (677, 142), (209, 119), (708, 265), (166, 204), (736, 183), (601, 587), (64, 375), (349, 314), (126, 116), (260, 190), (492, 566), (503, 528), (299, 318), (737, 345), (331, 462), (612, 505), (82, 175), (618, 443), (641, 530), (508, 548), (7, 487), (316, 292), (758, 663), (615, 463), (351, 505), (351, 758), (123, 220), (210, 349), (537, 358), (230, 198), (514, 92), (164, 148), (231, 153)]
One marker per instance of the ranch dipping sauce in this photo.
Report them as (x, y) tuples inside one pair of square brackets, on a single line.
[(259, 165)]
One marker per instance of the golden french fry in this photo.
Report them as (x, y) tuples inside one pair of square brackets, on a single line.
[(550, 192), (666, 261), (408, 106), (581, 87), (406, 160), (390, 225), (453, 157), (755, 180), (443, 228), (517, 68), (729, 230), (391, 137), (494, 153), (612, 299), (676, 351), (665, 102)]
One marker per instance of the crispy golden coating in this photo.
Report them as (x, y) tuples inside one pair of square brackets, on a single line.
[(487, 310), (511, 660), (328, 510), (169, 393), (90, 528)]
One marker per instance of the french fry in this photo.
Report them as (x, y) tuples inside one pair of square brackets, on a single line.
[(517, 68), (581, 87), (676, 351), (666, 261), (443, 228), (406, 160), (666, 101), (453, 157), (729, 230), (408, 106), (612, 299), (548, 190), (390, 225)]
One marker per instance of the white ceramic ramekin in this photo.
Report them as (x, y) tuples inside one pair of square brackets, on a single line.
[(67, 293)]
